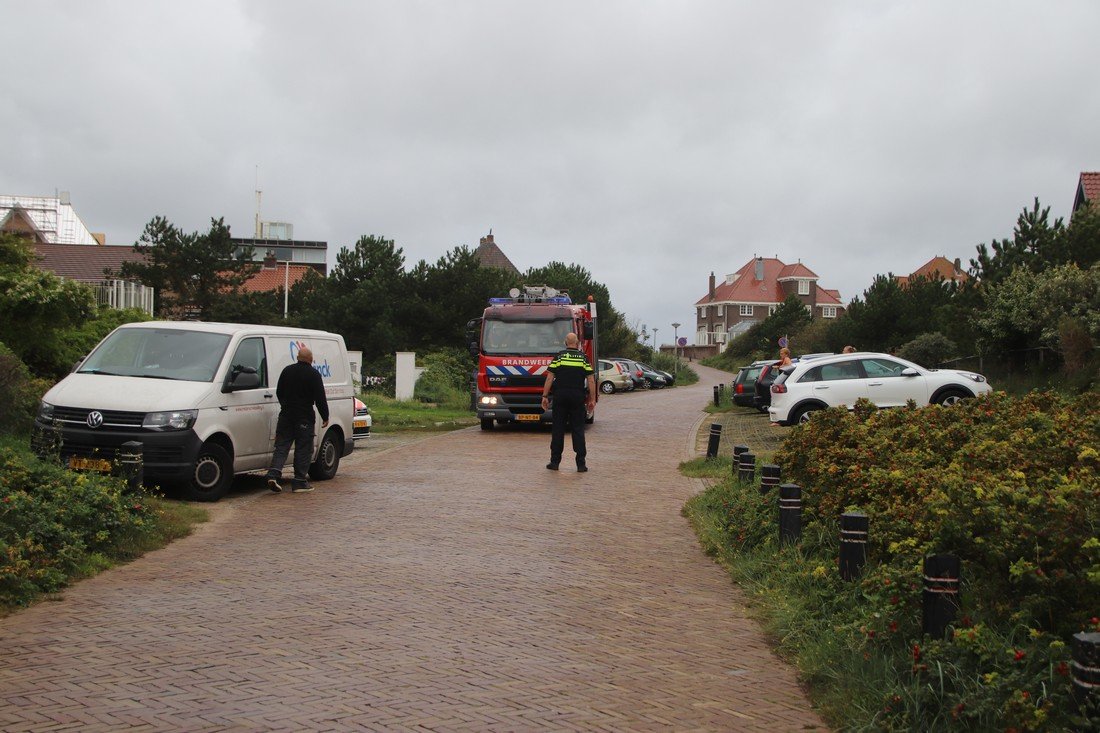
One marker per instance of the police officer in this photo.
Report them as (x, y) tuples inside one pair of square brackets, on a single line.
[(568, 375)]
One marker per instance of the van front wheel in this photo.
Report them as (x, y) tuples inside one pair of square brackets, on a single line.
[(328, 459), (211, 475)]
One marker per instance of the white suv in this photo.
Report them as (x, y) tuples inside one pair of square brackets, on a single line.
[(885, 380)]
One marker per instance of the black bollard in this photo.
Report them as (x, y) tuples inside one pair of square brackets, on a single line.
[(941, 593), (715, 438), (1085, 669), (717, 395), (473, 390), (853, 544), (746, 468), (131, 461), (790, 514), (769, 477), (737, 451)]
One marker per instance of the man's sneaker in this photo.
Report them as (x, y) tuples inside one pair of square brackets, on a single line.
[(552, 466), (274, 485), (302, 489), (582, 468)]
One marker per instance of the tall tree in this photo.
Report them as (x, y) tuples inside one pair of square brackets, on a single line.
[(190, 272), (37, 307), (365, 298), (1035, 244)]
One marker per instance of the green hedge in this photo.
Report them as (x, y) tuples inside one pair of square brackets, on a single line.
[(1009, 485), (56, 524)]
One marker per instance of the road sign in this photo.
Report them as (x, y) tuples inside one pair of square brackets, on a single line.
[(682, 341)]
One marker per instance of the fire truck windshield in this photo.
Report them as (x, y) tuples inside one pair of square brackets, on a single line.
[(524, 337)]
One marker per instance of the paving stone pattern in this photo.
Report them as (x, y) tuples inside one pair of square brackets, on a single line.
[(450, 584)]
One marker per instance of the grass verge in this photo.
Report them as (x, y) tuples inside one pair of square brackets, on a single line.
[(391, 415)]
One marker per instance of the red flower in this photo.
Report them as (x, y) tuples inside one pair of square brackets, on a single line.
[(1018, 656), (893, 626), (1062, 669), (916, 652)]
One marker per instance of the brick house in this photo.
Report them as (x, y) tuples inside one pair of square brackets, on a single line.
[(751, 294), (489, 254)]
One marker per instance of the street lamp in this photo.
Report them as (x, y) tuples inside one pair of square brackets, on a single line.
[(656, 346), (676, 345)]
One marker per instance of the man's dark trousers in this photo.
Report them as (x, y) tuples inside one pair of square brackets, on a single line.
[(300, 433), (568, 405)]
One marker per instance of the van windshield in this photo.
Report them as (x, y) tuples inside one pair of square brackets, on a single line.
[(158, 353), (524, 337)]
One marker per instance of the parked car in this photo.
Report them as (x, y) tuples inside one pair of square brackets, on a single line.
[(362, 422), (637, 376), (762, 397), (743, 387), (887, 381), (653, 378), (612, 378), (669, 378)]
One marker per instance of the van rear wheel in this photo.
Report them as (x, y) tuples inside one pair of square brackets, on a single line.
[(212, 474), (328, 459)]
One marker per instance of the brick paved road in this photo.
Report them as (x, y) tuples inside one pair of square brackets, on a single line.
[(448, 584)]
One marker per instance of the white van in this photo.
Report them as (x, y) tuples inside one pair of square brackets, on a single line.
[(200, 397)]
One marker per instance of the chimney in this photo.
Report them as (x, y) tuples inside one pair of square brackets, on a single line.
[(759, 274), (487, 239), (958, 265), (270, 263), (712, 286)]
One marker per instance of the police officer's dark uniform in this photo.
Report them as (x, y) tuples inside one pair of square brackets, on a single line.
[(570, 370)]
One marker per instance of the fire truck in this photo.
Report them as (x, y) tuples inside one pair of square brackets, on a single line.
[(514, 342)]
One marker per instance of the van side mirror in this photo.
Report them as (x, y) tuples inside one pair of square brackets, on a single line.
[(909, 372), (242, 378)]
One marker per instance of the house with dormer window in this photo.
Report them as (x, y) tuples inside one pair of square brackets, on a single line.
[(754, 292)]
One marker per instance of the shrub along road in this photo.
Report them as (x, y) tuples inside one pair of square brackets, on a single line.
[(449, 583)]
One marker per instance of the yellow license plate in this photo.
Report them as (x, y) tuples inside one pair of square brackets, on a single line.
[(359, 424), (528, 417), (90, 464)]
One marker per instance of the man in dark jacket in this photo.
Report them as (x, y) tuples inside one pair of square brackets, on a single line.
[(300, 388), (568, 376)]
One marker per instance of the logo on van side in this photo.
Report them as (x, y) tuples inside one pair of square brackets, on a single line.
[(323, 368)]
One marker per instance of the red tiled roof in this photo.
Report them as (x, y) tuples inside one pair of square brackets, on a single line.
[(84, 262), (1088, 189), (745, 288), (274, 278), (937, 267), (796, 270), (489, 254), (828, 297)]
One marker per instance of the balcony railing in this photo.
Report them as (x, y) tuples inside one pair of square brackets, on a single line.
[(124, 294)]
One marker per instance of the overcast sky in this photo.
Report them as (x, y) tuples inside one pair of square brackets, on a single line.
[(651, 142)]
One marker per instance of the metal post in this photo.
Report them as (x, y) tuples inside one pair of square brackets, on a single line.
[(1085, 669), (769, 477), (715, 438), (746, 468), (131, 461), (853, 544), (737, 451), (941, 593), (790, 514), (716, 395)]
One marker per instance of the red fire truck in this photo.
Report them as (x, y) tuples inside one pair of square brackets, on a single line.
[(514, 341)]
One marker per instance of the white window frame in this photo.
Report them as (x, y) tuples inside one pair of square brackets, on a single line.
[(746, 310), (803, 287), (772, 308), (702, 337), (828, 311)]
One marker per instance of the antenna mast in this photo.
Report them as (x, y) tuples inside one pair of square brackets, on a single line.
[(259, 195)]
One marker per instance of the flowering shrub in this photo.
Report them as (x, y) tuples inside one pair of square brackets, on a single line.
[(54, 523), (1010, 485)]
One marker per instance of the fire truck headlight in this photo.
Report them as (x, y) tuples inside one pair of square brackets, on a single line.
[(488, 400)]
